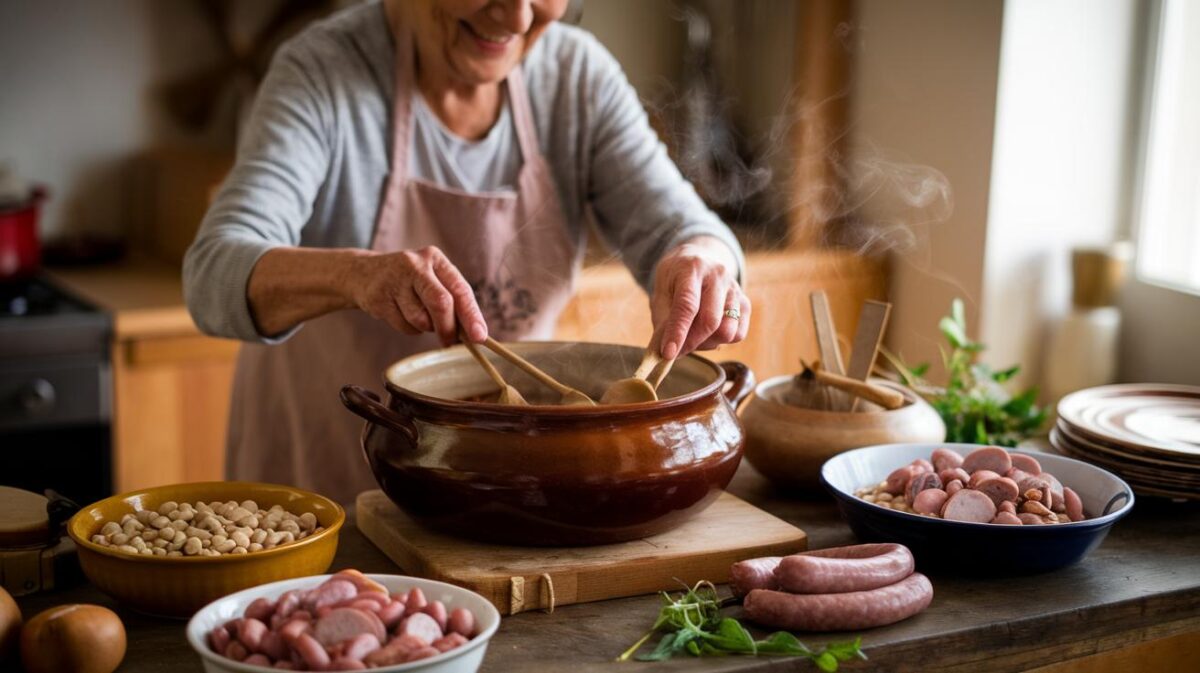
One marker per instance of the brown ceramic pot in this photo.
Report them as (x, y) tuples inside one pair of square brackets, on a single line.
[(545, 474), (789, 444)]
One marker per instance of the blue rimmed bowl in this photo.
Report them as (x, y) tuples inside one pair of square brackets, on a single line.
[(976, 548)]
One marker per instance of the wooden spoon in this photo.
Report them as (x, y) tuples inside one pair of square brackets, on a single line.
[(640, 387), (884, 397), (508, 394), (567, 395)]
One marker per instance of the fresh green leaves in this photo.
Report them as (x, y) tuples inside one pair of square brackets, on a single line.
[(974, 405), (694, 626)]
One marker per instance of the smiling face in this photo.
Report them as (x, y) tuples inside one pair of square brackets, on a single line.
[(477, 42)]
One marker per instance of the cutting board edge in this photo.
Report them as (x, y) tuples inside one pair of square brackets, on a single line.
[(519, 590)]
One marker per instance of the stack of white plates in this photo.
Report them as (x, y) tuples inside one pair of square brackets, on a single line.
[(1149, 434)]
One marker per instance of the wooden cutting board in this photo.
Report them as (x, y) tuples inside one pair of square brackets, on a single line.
[(516, 579)]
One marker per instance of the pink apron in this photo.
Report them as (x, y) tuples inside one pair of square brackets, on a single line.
[(286, 422)]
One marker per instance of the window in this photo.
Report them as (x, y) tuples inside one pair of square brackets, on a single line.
[(1168, 214)]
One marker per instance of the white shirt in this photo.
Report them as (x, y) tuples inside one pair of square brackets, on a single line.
[(489, 164)]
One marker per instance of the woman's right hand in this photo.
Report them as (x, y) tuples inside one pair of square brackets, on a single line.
[(417, 291)]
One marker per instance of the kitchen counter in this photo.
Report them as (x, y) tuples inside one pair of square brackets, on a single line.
[(1142, 584), (144, 296)]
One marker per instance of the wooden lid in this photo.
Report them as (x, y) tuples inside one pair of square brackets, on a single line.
[(23, 518)]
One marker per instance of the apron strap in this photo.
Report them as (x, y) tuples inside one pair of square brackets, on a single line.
[(518, 98)]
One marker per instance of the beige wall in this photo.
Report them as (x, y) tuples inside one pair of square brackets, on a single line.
[(925, 98), (76, 98)]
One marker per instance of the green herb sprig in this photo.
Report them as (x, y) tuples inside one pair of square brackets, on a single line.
[(694, 626), (974, 404)]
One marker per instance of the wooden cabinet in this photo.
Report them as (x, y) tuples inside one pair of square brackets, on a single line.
[(171, 409)]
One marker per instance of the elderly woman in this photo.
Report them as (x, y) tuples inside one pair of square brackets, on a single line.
[(413, 167)]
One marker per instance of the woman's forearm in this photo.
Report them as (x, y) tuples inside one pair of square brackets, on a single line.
[(290, 285)]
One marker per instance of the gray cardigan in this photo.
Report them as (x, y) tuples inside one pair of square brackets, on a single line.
[(314, 157)]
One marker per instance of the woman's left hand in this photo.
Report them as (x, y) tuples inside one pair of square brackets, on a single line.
[(697, 302)]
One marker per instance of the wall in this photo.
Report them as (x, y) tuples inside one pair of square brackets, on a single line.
[(1060, 173), (78, 101), (644, 38), (924, 100)]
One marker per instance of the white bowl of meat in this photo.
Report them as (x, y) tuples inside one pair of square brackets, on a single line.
[(345, 622)]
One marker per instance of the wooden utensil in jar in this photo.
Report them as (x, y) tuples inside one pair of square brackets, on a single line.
[(872, 322), (827, 344), (567, 395), (508, 394), (643, 385), (884, 397)]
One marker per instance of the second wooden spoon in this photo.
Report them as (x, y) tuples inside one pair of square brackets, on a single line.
[(508, 394), (638, 388), (567, 395)]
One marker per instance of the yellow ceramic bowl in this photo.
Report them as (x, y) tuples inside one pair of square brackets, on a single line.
[(177, 586)]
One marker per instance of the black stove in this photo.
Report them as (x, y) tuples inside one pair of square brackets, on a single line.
[(55, 391)]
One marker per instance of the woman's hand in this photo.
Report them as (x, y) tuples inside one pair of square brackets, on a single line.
[(695, 293), (414, 291), (417, 291)]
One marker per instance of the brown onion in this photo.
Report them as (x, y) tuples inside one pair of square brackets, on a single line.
[(78, 638), (10, 625)]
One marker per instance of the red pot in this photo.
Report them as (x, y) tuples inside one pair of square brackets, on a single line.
[(552, 475), (20, 253)]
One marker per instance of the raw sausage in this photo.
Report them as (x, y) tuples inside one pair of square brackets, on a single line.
[(437, 610), (980, 476), (921, 482), (991, 458), (755, 573), (945, 459), (845, 569), (930, 501), (898, 479), (968, 505), (462, 622), (420, 625), (999, 489), (345, 623), (334, 590), (951, 473), (840, 612), (1026, 463), (922, 465), (1074, 504)]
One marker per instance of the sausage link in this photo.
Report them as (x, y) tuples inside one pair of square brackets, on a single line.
[(840, 612), (755, 573), (844, 569)]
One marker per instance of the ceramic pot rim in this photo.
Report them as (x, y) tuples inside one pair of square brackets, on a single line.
[(439, 407), (913, 401)]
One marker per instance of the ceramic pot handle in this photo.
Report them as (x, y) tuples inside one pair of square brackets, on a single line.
[(366, 404), (741, 379)]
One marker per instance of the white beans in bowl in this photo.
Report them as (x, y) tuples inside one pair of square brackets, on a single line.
[(205, 529)]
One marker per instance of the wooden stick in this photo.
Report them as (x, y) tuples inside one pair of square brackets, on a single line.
[(527, 366), (569, 395), (483, 362), (827, 343), (872, 322), (884, 397)]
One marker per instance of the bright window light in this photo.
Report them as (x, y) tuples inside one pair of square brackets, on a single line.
[(1169, 217)]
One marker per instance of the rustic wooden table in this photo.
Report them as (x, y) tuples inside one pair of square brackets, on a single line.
[(1143, 583)]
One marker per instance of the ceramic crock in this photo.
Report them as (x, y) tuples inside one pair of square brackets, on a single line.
[(788, 444), (551, 475)]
